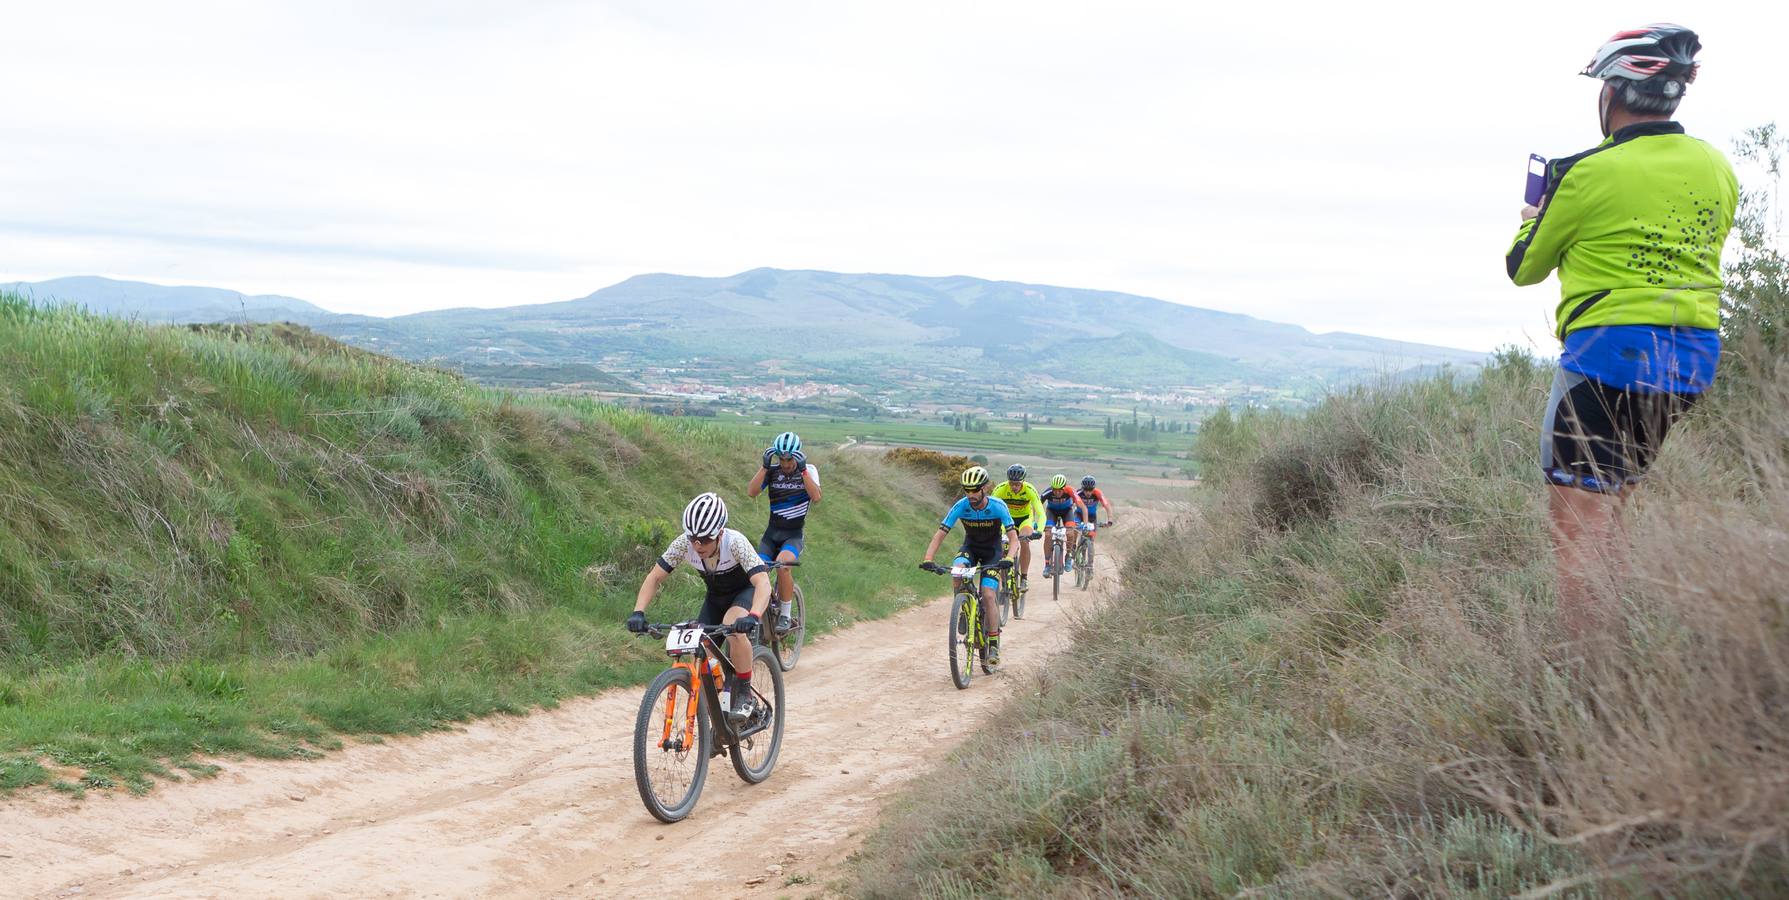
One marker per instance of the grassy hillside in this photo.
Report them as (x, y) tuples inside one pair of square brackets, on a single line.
[(1343, 678), (253, 540)]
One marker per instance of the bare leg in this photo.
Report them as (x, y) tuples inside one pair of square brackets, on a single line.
[(739, 646), (785, 583), (990, 617), (1591, 551)]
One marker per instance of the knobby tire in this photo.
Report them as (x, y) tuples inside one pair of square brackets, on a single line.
[(756, 755), (1056, 571), (788, 646), (649, 729), (962, 640)]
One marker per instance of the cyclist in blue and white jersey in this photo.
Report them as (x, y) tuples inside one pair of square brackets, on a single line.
[(794, 486)]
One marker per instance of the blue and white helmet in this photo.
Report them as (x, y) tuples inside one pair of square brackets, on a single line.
[(706, 516), (786, 444)]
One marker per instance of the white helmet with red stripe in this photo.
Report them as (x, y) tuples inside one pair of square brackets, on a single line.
[(1661, 57)]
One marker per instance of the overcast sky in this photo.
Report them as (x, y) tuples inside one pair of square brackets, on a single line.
[(1340, 167)]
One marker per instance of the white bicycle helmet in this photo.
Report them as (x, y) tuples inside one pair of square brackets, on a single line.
[(706, 516), (1659, 59)]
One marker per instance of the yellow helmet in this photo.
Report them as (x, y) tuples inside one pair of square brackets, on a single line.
[(974, 477), (1059, 482)]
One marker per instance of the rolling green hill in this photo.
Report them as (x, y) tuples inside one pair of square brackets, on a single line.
[(254, 539), (1131, 358)]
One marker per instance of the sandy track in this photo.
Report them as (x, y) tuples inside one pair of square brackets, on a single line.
[(544, 804)]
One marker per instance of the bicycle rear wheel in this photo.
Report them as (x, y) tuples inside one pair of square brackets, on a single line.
[(788, 644), (963, 633), (755, 755), (671, 762)]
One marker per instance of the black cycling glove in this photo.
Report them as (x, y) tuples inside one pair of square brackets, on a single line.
[(636, 623), (745, 624)]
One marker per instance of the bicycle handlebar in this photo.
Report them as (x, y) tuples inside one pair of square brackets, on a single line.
[(658, 629), (936, 569)]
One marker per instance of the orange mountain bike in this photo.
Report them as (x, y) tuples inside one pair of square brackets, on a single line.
[(683, 719)]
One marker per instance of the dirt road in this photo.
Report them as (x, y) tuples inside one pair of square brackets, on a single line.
[(545, 804)]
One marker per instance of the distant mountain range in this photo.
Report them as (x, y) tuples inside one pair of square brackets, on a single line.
[(161, 304), (822, 325)]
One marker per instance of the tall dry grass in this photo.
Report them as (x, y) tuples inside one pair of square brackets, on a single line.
[(1343, 677)]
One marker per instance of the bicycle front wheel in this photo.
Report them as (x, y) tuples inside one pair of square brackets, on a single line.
[(964, 632), (672, 741), (788, 644), (755, 755), (1055, 571), (1084, 567), (1016, 593)]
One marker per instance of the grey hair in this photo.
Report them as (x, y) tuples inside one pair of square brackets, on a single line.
[(1659, 102)]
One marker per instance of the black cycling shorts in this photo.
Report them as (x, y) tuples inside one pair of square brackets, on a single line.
[(977, 555), (1597, 438), (776, 540), (715, 606)]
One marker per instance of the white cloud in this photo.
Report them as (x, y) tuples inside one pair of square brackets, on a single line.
[(1343, 169)]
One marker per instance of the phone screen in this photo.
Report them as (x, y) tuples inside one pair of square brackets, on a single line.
[(1537, 179)]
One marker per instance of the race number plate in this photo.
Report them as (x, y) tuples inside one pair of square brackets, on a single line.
[(962, 571), (683, 640)]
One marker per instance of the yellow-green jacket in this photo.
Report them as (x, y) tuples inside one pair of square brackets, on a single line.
[(1635, 227)]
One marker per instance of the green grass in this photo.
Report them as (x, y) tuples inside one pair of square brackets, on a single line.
[(254, 541)]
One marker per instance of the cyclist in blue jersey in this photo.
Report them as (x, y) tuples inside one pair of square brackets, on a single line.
[(1062, 506), (985, 523), (794, 485)]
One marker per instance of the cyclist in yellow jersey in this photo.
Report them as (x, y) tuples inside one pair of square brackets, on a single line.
[(1027, 510)]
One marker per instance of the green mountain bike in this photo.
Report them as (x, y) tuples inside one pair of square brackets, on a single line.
[(1013, 588), (968, 632)]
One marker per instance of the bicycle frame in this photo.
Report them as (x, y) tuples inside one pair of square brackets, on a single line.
[(1058, 538), (708, 666)]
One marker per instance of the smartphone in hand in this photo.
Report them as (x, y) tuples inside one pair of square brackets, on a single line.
[(1537, 179)]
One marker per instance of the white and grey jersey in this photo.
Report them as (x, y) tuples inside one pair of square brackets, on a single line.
[(733, 567)]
